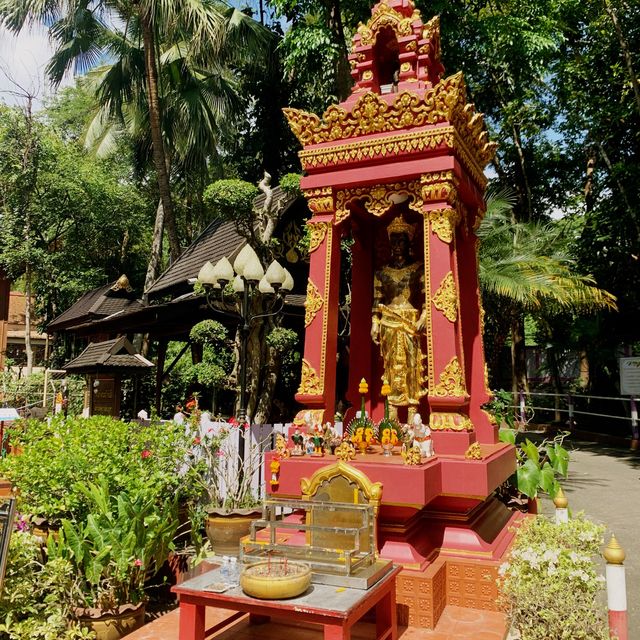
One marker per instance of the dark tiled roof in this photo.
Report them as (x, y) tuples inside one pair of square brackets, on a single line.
[(97, 303), (109, 354), (217, 240)]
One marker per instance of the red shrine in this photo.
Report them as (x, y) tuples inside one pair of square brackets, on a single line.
[(406, 142)]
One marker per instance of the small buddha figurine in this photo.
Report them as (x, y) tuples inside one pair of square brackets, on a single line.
[(422, 437), (298, 443)]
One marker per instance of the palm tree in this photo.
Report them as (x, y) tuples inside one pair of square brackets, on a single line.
[(84, 33), (526, 268)]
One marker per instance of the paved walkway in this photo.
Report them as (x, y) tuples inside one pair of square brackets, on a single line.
[(604, 483)]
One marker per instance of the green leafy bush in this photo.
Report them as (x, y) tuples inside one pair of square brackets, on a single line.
[(549, 587), (290, 184), (229, 199), (35, 602), (59, 455), (124, 539)]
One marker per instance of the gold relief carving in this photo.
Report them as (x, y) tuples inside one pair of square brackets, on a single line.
[(432, 28), (411, 46), (385, 16), (318, 231), (321, 205), (377, 198), (443, 223), (313, 303), (367, 149), (310, 383), (492, 419), (367, 75), (353, 63), (474, 452), (446, 298), (451, 383), (405, 66), (449, 422), (445, 102)]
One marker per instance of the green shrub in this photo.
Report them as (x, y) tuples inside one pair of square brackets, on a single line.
[(59, 455), (549, 587), (35, 601)]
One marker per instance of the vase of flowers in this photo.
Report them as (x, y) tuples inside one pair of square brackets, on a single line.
[(361, 431), (227, 455), (389, 430)]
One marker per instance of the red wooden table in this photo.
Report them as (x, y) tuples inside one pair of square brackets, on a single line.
[(336, 609)]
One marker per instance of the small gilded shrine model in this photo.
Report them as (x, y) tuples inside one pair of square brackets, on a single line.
[(399, 168)]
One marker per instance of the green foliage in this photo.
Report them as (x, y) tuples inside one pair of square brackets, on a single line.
[(282, 340), (58, 456), (538, 464), (501, 407), (230, 199), (126, 537), (549, 587), (290, 184), (35, 603), (209, 332)]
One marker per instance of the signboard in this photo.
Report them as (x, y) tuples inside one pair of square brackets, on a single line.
[(630, 377), (7, 513), (8, 413)]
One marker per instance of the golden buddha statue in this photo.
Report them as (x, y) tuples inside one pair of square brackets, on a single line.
[(397, 322)]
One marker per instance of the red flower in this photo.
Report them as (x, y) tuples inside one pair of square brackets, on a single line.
[(137, 563), (146, 453), (196, 440), (233, 422)]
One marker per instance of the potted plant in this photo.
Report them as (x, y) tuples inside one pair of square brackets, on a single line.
[(124, 539), (228, 457)]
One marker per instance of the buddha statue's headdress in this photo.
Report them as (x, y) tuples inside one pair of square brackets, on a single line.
[(400, 225)]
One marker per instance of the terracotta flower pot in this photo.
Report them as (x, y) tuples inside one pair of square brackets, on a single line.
[(112, 624), (225, 529)]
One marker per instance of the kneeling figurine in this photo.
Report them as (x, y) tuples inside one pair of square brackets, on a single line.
[(422, 437)]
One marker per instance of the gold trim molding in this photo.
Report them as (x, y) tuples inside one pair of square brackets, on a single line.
[(313, 303), (441, 421), (377, 198), (372, 490), (451, 383), (445, 102), (446, 298), (310, 383), (385, 16), (317, 234)]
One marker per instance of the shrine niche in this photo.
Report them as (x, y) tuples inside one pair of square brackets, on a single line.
[(407, 146), (398, 168)]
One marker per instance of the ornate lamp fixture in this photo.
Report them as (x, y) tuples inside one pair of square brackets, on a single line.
[(249, 280)]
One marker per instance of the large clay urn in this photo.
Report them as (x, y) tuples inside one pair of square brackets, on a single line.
[(112, 624), (226, 528)]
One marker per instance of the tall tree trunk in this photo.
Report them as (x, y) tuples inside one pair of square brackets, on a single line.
[(626, 51), (518, 355), (159, 155), (156, 252), (588, 185), (27, 320), (526, 201), (343, 70)]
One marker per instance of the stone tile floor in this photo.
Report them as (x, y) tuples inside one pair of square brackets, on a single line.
[(456, 623)]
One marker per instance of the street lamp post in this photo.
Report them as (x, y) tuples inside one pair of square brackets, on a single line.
[(248, 279)]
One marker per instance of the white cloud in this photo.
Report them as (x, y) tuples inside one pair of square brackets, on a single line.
[(24, 58)]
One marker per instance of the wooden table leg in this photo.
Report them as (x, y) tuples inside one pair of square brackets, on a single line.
[(256, 618), (386, 622), (336, 632), (191, 621)]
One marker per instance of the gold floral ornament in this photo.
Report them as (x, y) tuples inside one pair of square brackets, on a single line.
[(474, 452), (317, 234), (385, 16), (443, 223), (441, 421), (451, 383), (345, 451), (313, 303), (412, 456), (446, 298), (363, 387), (310, 383)]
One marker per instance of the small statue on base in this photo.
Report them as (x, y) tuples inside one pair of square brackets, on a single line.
[(422, 437), (298, 443), (281, 446), (317, 439)]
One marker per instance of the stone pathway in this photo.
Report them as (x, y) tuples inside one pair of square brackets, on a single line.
[(603, 482)]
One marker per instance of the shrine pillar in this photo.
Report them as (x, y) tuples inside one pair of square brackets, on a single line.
[(318, 379)]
